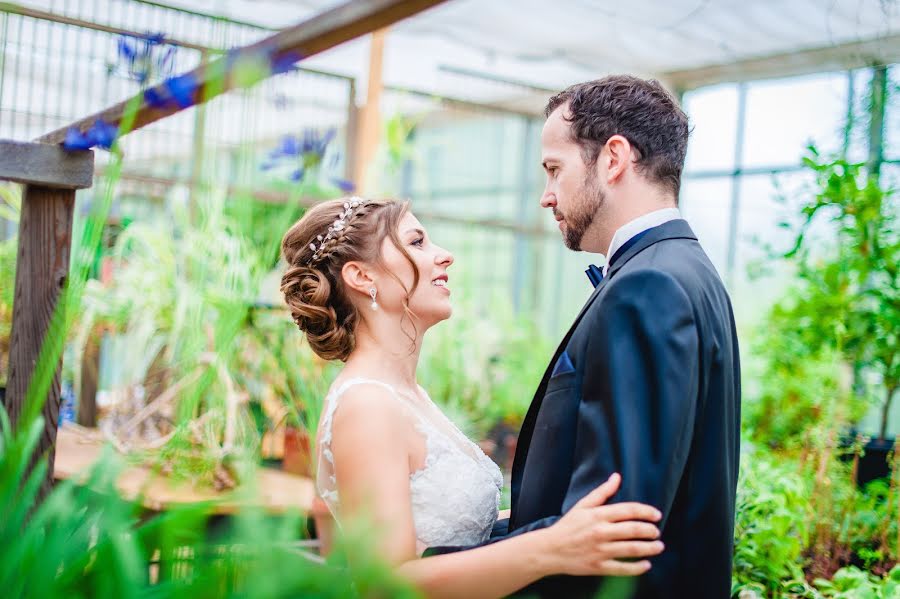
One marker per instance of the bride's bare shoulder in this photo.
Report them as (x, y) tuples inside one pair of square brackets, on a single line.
[(369, 406)]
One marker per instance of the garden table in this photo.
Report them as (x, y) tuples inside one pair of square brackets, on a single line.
[(277, 492)]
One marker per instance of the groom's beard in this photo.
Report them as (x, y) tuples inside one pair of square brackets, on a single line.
[(585, 210)]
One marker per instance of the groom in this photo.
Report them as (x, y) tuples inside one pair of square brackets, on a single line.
[(646, 382)]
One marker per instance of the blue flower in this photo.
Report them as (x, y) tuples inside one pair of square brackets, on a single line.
[(309, 151), (343, 184), (139, 53), (181, 90), (76, 140), (288, 148), (101, 134), (155, 38), (284, 62), (126, 50)]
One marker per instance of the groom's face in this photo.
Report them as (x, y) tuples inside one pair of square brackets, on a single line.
[(573, 190)]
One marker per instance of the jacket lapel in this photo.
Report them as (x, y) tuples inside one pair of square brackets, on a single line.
[(525, 433), (675, 229)]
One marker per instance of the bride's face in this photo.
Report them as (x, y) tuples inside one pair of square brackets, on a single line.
[(430, 301)]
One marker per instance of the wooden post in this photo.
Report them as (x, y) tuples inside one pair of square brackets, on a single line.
[(51, 176), (90, 381), (369, 122)]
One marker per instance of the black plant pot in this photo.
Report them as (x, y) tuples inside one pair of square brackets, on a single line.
[(874, 464)]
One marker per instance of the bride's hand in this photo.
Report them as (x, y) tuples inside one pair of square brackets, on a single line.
[(592, 537)]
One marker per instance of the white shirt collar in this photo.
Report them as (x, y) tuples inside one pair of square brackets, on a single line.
[(637, 226)]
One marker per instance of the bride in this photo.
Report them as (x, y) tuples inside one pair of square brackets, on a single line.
[(364, 283)]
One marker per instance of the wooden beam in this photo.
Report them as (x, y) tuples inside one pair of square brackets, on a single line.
[(42, 269), (322, 32), (370, 115), (839, 57), (45, 165)]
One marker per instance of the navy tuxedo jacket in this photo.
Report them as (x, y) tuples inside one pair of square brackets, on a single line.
[(646, 383)]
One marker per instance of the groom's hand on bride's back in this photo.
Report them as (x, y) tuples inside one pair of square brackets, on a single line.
[(594, 538)]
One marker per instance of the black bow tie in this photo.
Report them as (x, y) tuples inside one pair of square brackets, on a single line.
[(595, 274)]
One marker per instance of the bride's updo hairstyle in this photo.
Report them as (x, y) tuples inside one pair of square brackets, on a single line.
[(316, 248)]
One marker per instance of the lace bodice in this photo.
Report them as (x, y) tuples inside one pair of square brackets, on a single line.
[(455, 495)]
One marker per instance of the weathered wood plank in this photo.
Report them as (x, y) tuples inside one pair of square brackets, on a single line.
[(324, 31), (45, 238), (45, 165)]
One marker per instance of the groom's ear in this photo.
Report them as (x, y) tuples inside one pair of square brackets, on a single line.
[(357, 276), (617, 157)]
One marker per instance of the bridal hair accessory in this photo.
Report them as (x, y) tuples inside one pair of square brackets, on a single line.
[(336, 227), (373, 292)]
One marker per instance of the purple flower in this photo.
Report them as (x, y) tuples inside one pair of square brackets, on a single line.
[(297, 175)]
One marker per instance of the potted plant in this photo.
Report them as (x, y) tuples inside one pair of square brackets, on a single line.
[(847, 297)]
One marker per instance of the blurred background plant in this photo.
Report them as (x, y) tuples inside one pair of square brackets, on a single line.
[(10, 206), (818, 497), (84, 540)]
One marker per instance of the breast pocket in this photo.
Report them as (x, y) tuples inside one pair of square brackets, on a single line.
[(558, 382), (560, 403)]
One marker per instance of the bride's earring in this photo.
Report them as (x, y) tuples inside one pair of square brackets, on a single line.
[(374, 292)]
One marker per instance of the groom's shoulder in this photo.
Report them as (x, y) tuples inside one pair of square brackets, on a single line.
[(643, 284), (681, 258)]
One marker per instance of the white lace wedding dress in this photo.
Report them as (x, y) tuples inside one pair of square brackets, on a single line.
[(455, 495)]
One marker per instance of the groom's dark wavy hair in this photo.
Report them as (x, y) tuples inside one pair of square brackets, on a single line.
[(641, 111)]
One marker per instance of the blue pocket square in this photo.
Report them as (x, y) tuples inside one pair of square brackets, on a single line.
[(563, 365)]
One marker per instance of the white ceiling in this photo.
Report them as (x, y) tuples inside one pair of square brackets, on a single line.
[(551, 44), (463, 47)]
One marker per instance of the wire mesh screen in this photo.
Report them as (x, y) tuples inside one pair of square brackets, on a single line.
[(73, 60)]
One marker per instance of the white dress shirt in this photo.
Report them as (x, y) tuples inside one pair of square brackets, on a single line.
[(637, 226)]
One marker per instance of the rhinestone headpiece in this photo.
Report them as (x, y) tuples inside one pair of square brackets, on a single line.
[(336, 227)]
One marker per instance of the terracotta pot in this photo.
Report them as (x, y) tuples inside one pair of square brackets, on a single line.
[(297, 452)]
